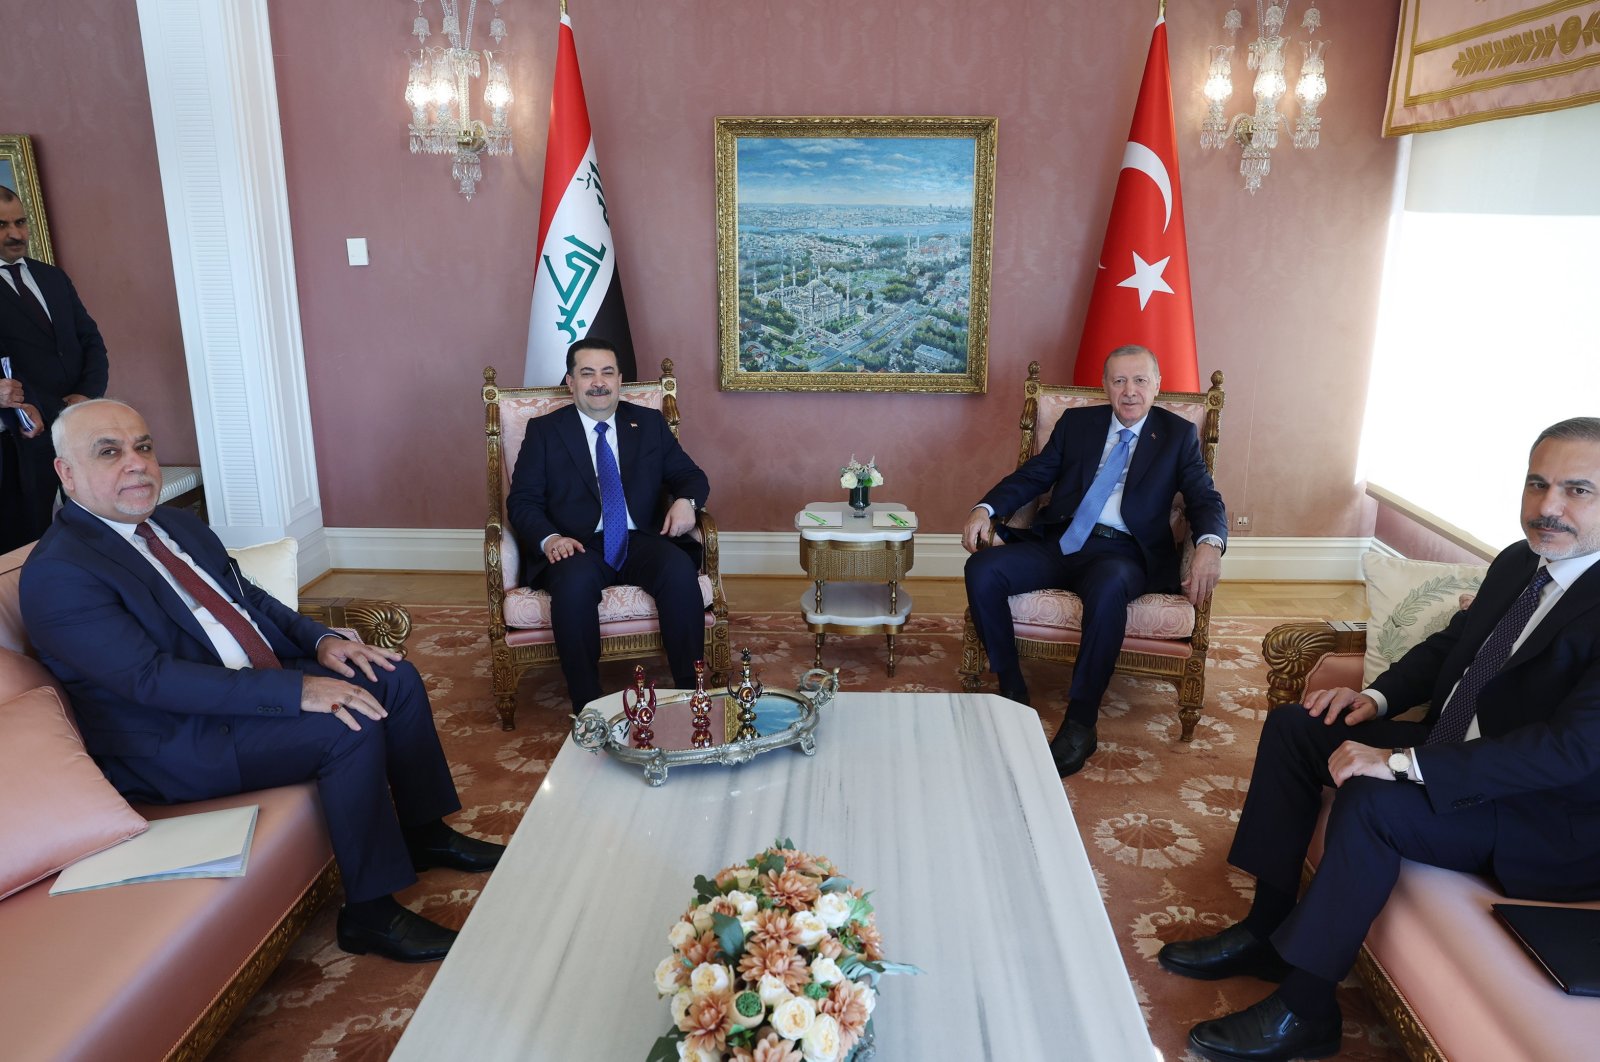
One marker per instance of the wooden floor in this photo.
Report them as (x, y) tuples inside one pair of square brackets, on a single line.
[(771, 593)]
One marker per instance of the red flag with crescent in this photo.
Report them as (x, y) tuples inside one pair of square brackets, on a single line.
[(1141, 286)]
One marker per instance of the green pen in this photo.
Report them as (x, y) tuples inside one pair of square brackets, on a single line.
[(899, 520), (816, 518)]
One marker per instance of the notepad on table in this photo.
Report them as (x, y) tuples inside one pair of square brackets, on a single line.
[(897, 520), (813, 518), (210, 844)]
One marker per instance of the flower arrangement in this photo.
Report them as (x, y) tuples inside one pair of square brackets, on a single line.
[(856, 474), (776, 959)]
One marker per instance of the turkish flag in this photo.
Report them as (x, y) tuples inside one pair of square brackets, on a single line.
[(1141, 287)]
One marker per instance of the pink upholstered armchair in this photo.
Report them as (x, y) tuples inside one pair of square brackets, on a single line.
[(520, 632), (1167, 637)]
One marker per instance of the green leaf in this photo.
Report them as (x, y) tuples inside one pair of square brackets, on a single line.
[(783, 842), (837, 884), (666, 1048), (770, 864), (816, 991), (704, 888), (730, 934), (897, 968)]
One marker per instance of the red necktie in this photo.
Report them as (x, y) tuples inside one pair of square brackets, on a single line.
[(255, 647), (30, 301)]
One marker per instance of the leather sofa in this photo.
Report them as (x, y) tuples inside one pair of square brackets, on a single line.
[(160, 970), (1448, 977)]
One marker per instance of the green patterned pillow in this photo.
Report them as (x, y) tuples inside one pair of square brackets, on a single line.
[(1409, 600)]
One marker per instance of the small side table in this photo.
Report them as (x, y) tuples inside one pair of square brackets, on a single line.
[(854, 557)]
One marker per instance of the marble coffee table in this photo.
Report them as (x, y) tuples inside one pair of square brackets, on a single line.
[(945, 805)]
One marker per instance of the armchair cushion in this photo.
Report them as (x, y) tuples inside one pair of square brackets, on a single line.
[(274, 567), (1408, 601), (530, 609), (1150, 616)]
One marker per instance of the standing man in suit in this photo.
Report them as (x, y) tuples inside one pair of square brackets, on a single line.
[(1501, 778), (57, 359), (1106, 535), (603, 494), (189, 682)]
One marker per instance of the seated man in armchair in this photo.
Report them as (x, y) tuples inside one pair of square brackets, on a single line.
[(189, 683), (584, 505), (1106, 534)]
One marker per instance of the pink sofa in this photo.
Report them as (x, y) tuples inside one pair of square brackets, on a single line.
[(1449, 978), (157, 970)]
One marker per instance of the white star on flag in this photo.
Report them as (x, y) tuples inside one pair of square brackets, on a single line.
[(1147, 278)]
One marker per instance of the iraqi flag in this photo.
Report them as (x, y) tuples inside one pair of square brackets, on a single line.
[(577, 291), (1141, 287)]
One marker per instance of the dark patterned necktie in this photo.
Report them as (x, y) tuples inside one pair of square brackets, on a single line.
[(1105, 481), (1459, 711), (30, 301), (613, 503), (255, 647)]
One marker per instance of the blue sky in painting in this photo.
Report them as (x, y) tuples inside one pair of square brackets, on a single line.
[(904, 171)]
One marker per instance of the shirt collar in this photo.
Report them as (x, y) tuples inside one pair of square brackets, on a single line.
[(589, 422), (1567, 571), (121, 527), (1137, 427)]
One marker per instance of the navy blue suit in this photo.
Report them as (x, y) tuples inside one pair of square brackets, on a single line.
[(67, 358), (1106, 573), (554, 491), (1521, 802), (168, 723)]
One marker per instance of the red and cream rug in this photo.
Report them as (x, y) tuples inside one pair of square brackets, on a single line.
[(1156, 817)]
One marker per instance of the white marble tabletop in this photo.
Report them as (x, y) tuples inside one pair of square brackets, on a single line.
[(854, 528), (945, 805)]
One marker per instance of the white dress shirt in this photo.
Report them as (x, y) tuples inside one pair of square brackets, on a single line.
[(27, 278)]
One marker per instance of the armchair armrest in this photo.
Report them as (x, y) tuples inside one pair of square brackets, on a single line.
[(1295, 652), (380, 623)]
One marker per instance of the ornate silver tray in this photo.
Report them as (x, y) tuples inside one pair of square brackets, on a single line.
[(594, 731)]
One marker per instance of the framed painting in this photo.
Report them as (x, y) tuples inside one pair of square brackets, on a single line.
[(18, 173), (853, 253)]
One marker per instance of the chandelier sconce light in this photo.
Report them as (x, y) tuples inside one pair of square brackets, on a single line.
[(1256, 133), (439, 89)]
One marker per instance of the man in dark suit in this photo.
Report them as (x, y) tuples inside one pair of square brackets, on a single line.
[(57, 358), (1501, 778), (189, 682), (603, 494), (1106, 534)]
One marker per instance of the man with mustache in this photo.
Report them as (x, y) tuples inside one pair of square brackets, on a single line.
[(57, 358), (1105, 535), (603, 494), (1502, 777)]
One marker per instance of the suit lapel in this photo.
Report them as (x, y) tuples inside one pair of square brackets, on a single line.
[(1151, 441), (1097, 427), (1582, 597), (571, 430), (119, 550), (11, 299)]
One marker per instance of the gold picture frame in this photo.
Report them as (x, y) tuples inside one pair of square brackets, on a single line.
[(18, 173), (854, 253)]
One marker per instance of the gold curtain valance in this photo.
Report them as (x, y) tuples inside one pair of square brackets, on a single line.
[(1463, 61)]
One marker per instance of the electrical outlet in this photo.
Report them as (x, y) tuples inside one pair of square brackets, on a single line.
[(1241, 523)]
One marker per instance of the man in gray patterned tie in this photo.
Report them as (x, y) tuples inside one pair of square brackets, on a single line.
[(1502, 777)]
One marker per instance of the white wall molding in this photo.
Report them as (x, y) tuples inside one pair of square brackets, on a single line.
[(778, 553)]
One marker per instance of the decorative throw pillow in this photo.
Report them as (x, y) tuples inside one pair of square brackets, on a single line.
[(1409, 600), (274, 567), (58, 806)]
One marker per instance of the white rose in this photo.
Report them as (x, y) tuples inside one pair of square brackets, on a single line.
[(701, 917), (794, 1017), (696, 1054), (847, 480), (833, 908), (680, 934), (680, 1005), (877, 478), (773, 990), (821, 1042), (867, 995), (824, 971), (810, 927), (669, 975), (745, 876), (710, 977), (744, 903)]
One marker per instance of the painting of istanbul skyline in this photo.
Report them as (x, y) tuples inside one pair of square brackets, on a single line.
[(853, 253)]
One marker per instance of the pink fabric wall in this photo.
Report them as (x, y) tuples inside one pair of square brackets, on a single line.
[(72, 77)]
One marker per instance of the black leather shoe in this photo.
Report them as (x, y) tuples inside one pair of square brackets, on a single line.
[(1235, 952), (405, 937), (1074, 743), (1266, 1032), (457, 852), (1016, 693)]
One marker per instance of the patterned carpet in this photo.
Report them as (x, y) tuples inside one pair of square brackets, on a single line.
[(1156, 817)]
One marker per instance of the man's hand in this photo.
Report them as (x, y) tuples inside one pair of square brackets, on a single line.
[(1329, 704), (680, 518), (74, 399), (38, 421), (338, 654), (979, 530), (341, 699), (561, 547), (10, 393), (1203, 573), (1352, 759)]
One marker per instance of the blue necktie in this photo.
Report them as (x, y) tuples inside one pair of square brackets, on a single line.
[(1105, 481), (1456, 718), (613, 503)]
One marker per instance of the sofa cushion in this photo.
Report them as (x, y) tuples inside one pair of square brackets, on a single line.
[(529, 609), (58, 806), (1163, 616), (12, 634), (274, 567), (1409, 600)]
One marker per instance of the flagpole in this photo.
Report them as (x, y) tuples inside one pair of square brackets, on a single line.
[(1160, 13), (564, 6)]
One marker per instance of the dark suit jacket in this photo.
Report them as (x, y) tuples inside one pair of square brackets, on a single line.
[(151, 695), (1539, 755), (554, 490), (1166, 461)]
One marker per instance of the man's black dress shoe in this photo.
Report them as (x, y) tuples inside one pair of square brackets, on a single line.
[(456, 851), (404, 937), (1266, 1032), (1016, 693), (1235, 952), (1072, 747)]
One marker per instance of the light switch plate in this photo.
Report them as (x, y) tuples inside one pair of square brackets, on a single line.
[(356, 250)]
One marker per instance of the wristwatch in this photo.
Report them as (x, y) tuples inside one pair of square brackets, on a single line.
[(1400, 764)]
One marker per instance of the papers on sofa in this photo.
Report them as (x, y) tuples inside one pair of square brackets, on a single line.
[(813, 518), (895, 521), (211, 844)]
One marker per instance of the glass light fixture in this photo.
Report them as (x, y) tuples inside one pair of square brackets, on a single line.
[(438, 92)]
